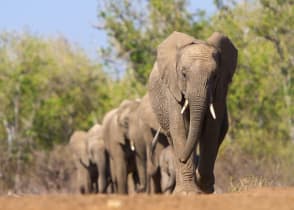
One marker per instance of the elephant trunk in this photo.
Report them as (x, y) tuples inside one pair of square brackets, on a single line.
[(197, 106)]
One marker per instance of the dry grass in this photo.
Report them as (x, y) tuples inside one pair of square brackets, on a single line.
[(44, 172), (237, 169)]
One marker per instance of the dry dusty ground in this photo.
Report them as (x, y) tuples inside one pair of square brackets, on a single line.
[(262, 198)]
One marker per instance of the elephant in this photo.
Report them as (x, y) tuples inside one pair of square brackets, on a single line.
[(117, 143), (142, 128), (98, 157), (85, 177), (167, 170), (188, 87)]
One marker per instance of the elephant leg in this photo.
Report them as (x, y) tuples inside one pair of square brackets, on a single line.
[(121, 170), (96, 187), (135, 182), (90, 186), (93, 178), (170, 177), (90, 183), (214, 133), (141, 164), (142, 171), (113, 176), (148, 180), (151, 161), (102, 185), (205, 176), (156, 180), (82, 179), (108, 175), (164, 181)]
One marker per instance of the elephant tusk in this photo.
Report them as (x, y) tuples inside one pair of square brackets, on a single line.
[(185, 106), (153, 144), (132, 146), (212, 111), (155, 138)]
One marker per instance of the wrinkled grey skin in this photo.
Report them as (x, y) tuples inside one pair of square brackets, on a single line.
[(78, 147), (98, 156), (142, 128), (200, 72), (167, 170), (115, 135)]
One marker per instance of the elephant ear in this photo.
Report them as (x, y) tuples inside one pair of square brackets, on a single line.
[(126, 106), (228, 56), (122, 107), (167, 53)]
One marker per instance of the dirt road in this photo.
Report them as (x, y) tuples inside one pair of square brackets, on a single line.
[(262, 198)]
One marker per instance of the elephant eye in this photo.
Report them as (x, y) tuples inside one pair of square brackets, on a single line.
[(184, 72)]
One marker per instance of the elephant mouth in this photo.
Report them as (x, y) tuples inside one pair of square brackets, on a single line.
[(185, 107)]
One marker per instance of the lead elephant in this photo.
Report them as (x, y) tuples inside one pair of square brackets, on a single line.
[(98, 156), (117, 143), (188, 86)]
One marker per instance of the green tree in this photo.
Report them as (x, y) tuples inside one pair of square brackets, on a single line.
[(48, 89), (135, 28), (260, 97)]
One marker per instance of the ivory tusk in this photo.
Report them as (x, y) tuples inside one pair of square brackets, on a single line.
[(155, 138), (185, 106), (153, 144), (133, 146), (212, 111)]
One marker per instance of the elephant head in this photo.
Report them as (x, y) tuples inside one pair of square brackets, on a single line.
[(195, 72), (123, 113), (78, 146), (94, 142)]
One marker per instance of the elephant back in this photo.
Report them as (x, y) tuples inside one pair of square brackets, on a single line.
[(94, 138), (107, 125), (95, 134), (147, 114)]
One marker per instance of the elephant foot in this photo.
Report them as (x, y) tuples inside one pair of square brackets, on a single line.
[(140, 189), (207, 189), (206, 185), (190, 189)]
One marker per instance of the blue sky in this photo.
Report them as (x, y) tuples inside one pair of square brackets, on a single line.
[(70, 18)]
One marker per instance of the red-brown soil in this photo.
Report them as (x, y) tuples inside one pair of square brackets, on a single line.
[(261, 198)]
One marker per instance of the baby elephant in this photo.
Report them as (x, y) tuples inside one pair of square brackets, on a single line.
[(167, 169)]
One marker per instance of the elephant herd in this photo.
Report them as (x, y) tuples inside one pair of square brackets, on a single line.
[(168, 140)]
